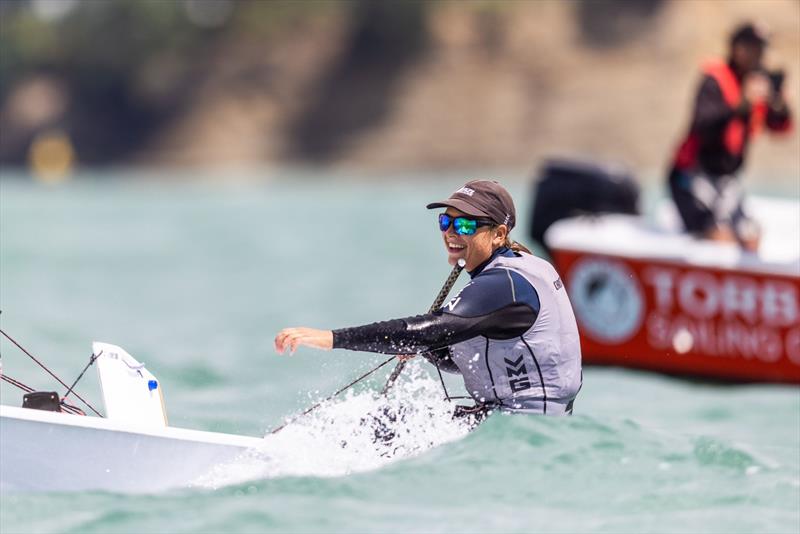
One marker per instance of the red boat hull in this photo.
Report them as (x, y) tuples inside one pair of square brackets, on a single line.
[(676, 318)]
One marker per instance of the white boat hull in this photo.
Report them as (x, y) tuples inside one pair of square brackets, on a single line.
[(50, 451)]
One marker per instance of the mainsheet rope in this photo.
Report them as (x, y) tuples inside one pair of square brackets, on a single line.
[(69, 408), (437, 303)]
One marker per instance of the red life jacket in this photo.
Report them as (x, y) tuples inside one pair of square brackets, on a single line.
[(736, 130)]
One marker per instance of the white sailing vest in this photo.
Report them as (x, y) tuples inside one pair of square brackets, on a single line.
[(538, 372)]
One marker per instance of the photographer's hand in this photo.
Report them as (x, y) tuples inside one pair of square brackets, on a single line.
[(756, 88)]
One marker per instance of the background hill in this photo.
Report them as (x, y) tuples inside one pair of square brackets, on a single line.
[(374, 85)]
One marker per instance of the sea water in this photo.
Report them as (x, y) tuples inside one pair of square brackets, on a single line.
[(195, 278)]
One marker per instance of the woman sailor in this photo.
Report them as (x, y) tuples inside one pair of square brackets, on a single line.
[(510, 332)]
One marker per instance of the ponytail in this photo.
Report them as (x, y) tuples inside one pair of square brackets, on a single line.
[(515, 246)]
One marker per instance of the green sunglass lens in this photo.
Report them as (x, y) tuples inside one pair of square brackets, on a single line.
[(465, 226)]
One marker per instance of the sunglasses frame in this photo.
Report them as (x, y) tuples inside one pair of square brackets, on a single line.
[(479, 222)]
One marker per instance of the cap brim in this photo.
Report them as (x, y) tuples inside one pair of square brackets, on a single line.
[(461, 206)]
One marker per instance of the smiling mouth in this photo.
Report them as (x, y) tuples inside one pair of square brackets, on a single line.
[(455, 248)]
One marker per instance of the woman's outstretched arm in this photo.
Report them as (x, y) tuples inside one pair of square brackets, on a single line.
[(498, 305)]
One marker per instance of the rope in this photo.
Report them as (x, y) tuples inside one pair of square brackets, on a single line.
[(31, 356), (329, 397), (69, 408), (20, 385), (437, 303), (441, 380), (92, 358)]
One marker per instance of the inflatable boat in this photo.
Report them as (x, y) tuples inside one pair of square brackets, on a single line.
[(649, 296)]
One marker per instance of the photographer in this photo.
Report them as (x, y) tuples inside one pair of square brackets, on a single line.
[(736, 100)]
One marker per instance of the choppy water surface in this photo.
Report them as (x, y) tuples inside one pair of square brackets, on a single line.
[(196, 279)]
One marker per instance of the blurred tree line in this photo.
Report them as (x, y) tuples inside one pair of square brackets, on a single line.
[(117, 69), (111, 73)]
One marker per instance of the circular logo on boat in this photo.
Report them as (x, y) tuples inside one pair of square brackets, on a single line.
[(607, 298)]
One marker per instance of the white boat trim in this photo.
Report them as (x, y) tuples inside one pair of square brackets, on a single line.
[(184, 434), (631, 236)]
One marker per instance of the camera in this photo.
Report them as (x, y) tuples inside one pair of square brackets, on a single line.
[(776, 80)]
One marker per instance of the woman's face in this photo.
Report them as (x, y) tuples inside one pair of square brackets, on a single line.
[(476, 248)]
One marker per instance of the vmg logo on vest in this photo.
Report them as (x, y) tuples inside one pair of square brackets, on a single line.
[(516, 368)]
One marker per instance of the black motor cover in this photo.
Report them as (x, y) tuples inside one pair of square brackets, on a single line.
[(565, 188)]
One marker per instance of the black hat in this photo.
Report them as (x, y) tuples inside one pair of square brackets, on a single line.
[(750, 32), (482, 198)]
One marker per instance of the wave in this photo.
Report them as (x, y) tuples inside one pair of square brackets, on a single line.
[(361, 431), (364, 431)]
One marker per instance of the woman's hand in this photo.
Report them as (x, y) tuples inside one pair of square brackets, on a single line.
[(292, 338)]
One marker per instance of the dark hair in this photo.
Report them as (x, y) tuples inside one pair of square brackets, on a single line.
[(750, 33), (516, 246)]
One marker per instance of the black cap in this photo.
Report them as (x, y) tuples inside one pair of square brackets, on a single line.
[(751, 33), (482, 198)]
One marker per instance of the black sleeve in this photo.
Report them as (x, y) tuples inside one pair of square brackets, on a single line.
[(711, 112), (432, 331)]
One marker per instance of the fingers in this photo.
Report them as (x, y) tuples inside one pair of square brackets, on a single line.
[(291, 338), (287, 339), (283, 339)]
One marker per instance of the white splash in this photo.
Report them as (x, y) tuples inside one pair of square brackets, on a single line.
[(339, 438)]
